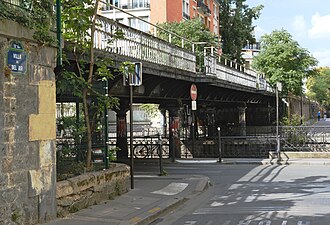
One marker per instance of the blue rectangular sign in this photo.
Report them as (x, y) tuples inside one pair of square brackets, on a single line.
[(16, 59)]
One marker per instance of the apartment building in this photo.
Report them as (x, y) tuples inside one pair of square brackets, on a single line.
[(249, 51), (159, 11)]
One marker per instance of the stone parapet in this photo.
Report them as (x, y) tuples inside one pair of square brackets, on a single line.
[(91, 188)]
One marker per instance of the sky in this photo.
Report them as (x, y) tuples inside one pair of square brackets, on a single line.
[(308, 21)]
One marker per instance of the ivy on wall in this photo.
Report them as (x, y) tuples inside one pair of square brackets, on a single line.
[(34, 14)]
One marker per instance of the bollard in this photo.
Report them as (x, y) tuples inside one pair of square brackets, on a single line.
[(160, 154), (219, 145)]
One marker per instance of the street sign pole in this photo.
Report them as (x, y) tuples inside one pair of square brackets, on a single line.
[(133, 78), (131, 134), (193, 96)]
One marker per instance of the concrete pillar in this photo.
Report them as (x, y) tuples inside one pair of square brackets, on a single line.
[(174, 134), (121, 142), (210, 123), (165, 128), (242, 120)]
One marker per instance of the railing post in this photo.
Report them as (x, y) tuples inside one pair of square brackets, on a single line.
[(193, 47), (170, 38), (155, 31), (212, 53)]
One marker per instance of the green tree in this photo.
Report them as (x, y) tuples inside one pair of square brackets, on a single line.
[(282, 60), (236, 27), (79, 19), (193, 30), (34, 14), (318, 87)]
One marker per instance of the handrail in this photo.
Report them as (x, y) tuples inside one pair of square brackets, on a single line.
[(155, 26), (141, 46), (226, 69)]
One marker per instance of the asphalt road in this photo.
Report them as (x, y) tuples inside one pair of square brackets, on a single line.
[(255, 195)]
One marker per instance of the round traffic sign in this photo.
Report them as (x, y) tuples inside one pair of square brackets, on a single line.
[(193, 92)]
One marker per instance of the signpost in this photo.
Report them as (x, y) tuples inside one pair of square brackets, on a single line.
[(132, 79), (193, 96)]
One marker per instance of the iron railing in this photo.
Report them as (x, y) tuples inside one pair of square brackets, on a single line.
[(305, 138), (141, 46), (203, 8), (233, 72)]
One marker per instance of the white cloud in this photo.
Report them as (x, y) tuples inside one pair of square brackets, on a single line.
[(299, 25), (320, 26), (323, 57)]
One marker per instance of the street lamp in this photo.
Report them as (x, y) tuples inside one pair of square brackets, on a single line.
[(278, 147)]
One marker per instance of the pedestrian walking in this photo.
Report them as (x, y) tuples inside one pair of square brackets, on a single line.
[(318, 116)]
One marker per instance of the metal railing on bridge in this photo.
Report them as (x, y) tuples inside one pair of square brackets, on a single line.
[(141, 46), (233, 72)]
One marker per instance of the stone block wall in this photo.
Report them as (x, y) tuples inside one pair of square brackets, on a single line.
[(27, 131), (91, 188)]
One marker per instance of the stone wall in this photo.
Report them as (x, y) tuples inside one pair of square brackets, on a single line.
[(27, 130), (91, 188), (295, 107)]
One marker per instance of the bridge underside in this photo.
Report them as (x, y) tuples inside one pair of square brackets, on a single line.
[(219, 103)]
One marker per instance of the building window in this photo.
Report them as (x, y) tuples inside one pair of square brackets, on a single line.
[(127, 4), (185, 9), (112, 2), (215, 12), (139, 24)]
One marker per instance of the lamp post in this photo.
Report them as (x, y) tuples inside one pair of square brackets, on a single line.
[(106, 132), (278, 147)]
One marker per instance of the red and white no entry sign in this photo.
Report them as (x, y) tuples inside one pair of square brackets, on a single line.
[(193, 92)]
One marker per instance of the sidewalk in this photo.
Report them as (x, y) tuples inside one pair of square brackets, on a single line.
[(152, 196)]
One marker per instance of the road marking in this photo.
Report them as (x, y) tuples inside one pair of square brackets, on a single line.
[(284, 222), (302, 223), (244, 222), (215, 204), (266, 222), (171, 189), (154, 210), (135, 219), (190, 222)]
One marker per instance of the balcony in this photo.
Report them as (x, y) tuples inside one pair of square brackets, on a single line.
[(136, 5), (203, 8), (186, 16)]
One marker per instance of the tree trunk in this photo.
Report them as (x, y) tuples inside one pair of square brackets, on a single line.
[(85, 92)]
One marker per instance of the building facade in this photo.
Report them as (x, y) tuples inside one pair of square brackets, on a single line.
[(160, 11)]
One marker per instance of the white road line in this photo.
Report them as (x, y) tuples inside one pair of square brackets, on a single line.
[(215, 204), (172, 189)]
